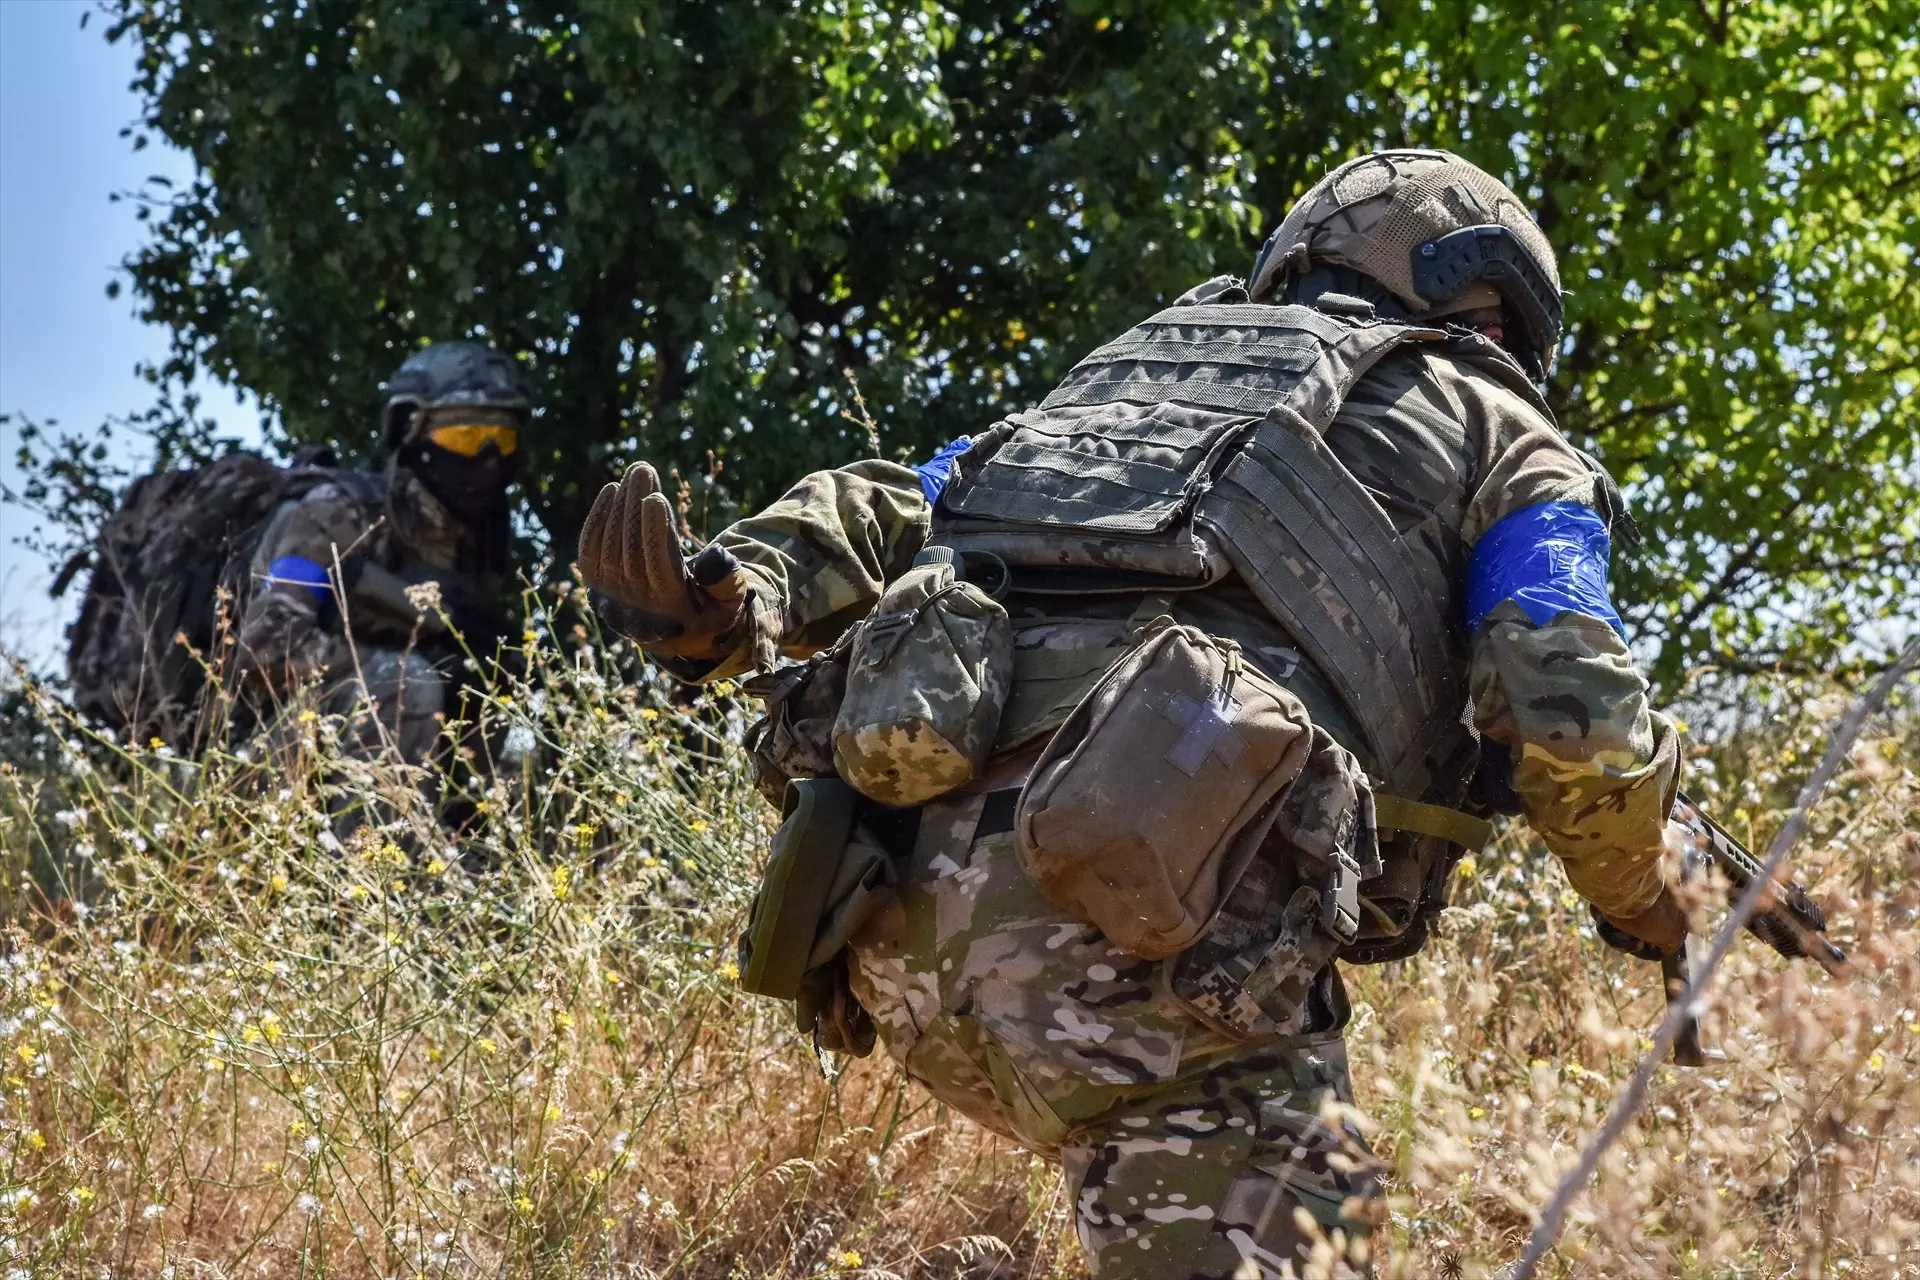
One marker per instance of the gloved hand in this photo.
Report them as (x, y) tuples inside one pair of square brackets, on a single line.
[(642, 584), (1662, 926)]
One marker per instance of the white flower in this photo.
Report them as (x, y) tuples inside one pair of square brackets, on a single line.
[(308, 1204), (311, 1146), (151, 1212)]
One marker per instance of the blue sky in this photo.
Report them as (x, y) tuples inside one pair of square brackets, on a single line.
[(67, 351)]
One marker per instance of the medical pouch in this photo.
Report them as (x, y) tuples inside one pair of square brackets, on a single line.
[(927, 676), (1149, 802)]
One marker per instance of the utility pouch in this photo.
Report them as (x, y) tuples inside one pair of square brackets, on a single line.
[(927, 677), (1150, 801), (825, 877), (1294, 909), (794, 738)]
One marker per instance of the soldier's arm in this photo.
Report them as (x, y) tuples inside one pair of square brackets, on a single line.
[(817, 561), (282, 638), (1594, 765)]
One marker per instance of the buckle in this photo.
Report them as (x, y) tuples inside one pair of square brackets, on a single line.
[(1340, 900)]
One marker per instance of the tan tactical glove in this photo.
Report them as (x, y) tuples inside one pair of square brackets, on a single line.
[(642, 584)]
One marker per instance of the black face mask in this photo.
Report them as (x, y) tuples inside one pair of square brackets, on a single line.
[(474, 489)]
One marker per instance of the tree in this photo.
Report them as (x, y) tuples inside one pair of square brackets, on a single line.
[(688, 219)]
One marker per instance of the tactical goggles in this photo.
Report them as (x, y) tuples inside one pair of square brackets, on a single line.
[(468, 438)]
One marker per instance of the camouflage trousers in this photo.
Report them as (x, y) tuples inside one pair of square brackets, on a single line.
[(1188, 1152)]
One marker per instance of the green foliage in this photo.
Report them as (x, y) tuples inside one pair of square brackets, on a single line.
[(688, 219)]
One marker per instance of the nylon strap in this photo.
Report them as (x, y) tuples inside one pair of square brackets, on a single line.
[(1392, 813)]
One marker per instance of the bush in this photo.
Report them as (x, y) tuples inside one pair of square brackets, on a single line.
[(241, 1034)]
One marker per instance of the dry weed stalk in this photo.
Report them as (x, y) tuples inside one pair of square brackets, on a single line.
[(241, 1041)]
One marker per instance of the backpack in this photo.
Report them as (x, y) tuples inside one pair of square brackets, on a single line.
[(139, 653)]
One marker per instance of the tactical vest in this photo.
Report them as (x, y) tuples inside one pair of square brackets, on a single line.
[(1189, 448)]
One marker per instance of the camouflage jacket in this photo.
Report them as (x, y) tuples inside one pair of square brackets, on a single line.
[(1594, 765), (382, 535)]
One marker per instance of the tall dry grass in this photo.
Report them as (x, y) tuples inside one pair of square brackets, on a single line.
[(237, 1043)]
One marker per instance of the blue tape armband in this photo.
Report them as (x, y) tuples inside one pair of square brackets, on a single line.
[(298, 571), (1548, 559), (937, 470)]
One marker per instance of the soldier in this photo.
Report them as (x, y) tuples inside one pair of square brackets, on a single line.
[(1344, 466), (353, 575)]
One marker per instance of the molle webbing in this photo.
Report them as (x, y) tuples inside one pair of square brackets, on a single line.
[(1328, 562), (1190, 445)]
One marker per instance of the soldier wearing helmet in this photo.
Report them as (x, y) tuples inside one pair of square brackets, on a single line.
[(356, 578), (1341, 466)]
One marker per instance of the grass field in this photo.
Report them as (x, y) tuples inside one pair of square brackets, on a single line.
[(236, 1045)]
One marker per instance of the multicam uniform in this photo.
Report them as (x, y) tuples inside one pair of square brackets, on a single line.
[(1183, 1142)]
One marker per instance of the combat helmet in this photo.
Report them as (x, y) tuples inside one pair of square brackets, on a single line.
[(1439, 233), (444, 374)]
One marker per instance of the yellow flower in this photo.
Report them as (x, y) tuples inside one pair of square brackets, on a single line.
[(309, 716), (279, 882), (272, 1029), (523, 1204), (562, 883), (251, 1034), (81, 1195), (435, 867), (606, 1224), (1877, 1062), (1476, 1112), (563, 1022), (730, 971), (596, 1176), (157, 743), (1468, 865), (648, 713), (698, 826), (847, 1259), (297, 1128), (26, 1054), (488, 1047), (37, 1141), (552, 1113), (358, 891)]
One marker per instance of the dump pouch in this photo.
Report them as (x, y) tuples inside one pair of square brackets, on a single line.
[(825, 877), (927, 677), (1151, 799)]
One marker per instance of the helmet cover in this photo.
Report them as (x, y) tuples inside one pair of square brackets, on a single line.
[(447, 374), (1440, 233)]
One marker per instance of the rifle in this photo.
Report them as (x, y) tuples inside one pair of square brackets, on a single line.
[(1789, 921)]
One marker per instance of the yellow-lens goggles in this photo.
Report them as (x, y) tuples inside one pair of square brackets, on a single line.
[(469, 438)]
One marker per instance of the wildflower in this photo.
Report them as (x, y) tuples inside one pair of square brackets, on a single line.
[(279, 882), (522, 1204), (309, 716), (26, 1054), (488, 1047), (1467, 865), (563, 1022), (648, 713), (698, 826), (156, 743), (435, 867), (552, 1113), (37, 1141), (308, 1204), (562, 883), (272, 1028), (847, 1259), (151, 1212), (81, 1196), (730, 971)]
